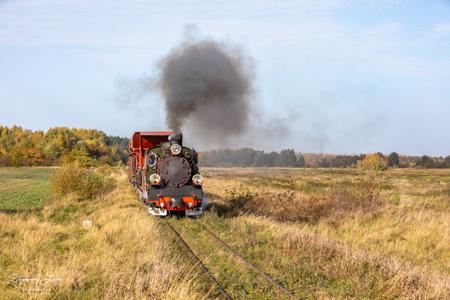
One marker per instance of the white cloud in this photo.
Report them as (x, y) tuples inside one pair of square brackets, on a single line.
[(442, 29)]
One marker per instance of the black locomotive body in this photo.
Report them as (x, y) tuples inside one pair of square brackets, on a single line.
[(166, 174)]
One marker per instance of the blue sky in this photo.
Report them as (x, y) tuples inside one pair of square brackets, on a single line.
[(347, 76)]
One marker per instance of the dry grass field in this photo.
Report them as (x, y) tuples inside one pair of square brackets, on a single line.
[(58, 253), (321, 233), (409, 220), (337, 233)]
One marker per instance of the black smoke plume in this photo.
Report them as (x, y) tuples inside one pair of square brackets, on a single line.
[(208, 85)]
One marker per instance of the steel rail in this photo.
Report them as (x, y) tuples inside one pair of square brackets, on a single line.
[(198, 261), (266, 276)]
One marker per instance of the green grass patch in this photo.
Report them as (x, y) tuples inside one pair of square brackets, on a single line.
[(24, 188)]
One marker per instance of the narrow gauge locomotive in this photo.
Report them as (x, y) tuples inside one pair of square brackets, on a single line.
[(165, 173)]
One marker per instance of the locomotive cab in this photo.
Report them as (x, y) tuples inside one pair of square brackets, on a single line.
[(165, 173)]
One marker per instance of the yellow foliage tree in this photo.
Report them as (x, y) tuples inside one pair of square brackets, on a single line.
[(373, 161)]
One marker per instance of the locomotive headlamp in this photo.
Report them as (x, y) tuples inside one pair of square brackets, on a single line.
[(197, 179), (152, 159), (175, 149), (155, 179)]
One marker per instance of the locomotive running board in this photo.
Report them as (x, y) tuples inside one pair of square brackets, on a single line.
[(157, 211)]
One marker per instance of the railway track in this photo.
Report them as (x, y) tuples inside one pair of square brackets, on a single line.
[(198, 261), (228, 248)]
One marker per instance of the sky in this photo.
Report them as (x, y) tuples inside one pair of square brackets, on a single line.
[(340, 76)]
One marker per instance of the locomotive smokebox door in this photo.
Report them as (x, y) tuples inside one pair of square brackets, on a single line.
[(175, 171)]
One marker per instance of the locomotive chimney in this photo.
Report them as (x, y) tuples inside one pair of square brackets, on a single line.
[(177, 138)]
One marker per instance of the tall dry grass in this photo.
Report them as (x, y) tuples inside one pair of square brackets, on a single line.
[(298, 205), (105, 248), (406, 216), (337, 268)]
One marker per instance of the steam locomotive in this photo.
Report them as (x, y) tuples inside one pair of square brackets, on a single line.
[(166, 174)]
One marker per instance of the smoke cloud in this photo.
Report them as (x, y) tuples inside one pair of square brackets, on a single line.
[(207, 90), (208, 85)]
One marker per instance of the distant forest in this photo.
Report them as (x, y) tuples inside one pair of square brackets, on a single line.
[(60, 145), (247, 157), (91, 147)]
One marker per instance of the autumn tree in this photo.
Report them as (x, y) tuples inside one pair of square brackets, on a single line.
[(373, 161)]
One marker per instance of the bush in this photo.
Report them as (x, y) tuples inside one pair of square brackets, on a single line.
[(372, 180), (282, 205), (371, 185), (84, 183)]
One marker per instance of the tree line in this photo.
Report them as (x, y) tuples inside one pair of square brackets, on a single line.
[(247, 157), (91, 147), (60, 145)]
